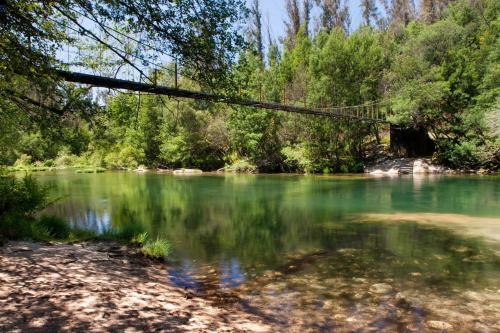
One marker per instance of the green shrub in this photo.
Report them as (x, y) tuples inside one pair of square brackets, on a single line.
[(156, 249), (242, 166), (16, 227), (64, 159), (23, 161), (56, 227), (296, 159), (21, 197), (466, 154), (126, 158), (38, 232)]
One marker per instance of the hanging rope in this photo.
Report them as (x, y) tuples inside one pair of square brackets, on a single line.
[(138, 106)]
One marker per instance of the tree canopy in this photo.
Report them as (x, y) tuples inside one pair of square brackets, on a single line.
[(436, 68)]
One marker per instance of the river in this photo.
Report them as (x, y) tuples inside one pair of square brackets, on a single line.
[(315, 253)]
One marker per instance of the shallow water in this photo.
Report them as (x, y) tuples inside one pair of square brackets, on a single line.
[(312, 253)]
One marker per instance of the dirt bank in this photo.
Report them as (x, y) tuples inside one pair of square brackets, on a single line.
[(102, 288)]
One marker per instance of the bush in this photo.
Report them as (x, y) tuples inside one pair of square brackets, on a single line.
[(466, 154), (23, 161), (64, 160), (242, 166), (21, 197), (56, 227), (127, 158), (296, 159), (38, 232)]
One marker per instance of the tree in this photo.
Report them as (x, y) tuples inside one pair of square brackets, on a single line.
[(293, 22), (431, 10), (203, 35), (334, 14), (307, 6), (402, 11), (369, 12), (257, 29)]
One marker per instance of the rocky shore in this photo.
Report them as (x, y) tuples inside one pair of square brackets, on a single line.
[(411, 166)]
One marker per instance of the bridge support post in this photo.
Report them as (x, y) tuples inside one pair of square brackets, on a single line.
[(411, 142), (176, 83)]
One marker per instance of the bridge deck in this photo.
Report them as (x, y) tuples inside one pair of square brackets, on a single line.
[(106, 82)]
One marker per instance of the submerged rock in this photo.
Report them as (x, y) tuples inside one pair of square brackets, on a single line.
[(412, 327), (381, 288), (359, 280), (473, 296), (439, 325), (358, 296)]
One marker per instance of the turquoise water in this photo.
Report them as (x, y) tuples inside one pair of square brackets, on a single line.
[(314, 252)]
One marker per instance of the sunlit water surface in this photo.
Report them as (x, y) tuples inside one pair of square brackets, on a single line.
[(311, 253)]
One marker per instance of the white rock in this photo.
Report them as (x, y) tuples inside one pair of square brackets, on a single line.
[(420, 166), (439, 325)]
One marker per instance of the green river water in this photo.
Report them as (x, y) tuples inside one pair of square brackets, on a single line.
[(315, 253)]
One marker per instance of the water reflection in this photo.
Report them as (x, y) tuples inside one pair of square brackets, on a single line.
[(321, 253), (183, 276), (231, 274)]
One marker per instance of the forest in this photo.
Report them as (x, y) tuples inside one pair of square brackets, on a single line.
[(436, 65)]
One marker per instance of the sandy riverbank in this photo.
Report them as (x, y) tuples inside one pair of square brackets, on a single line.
[(102, 288)]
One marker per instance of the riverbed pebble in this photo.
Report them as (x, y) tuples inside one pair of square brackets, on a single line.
[(381, 288)]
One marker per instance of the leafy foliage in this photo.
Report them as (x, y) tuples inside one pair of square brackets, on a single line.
[(440, 73)]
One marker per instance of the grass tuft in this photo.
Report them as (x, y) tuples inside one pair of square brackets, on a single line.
[(158, 249), (140, 239)]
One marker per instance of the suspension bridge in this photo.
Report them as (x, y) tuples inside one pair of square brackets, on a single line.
[(366, 112), (115, 41)]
